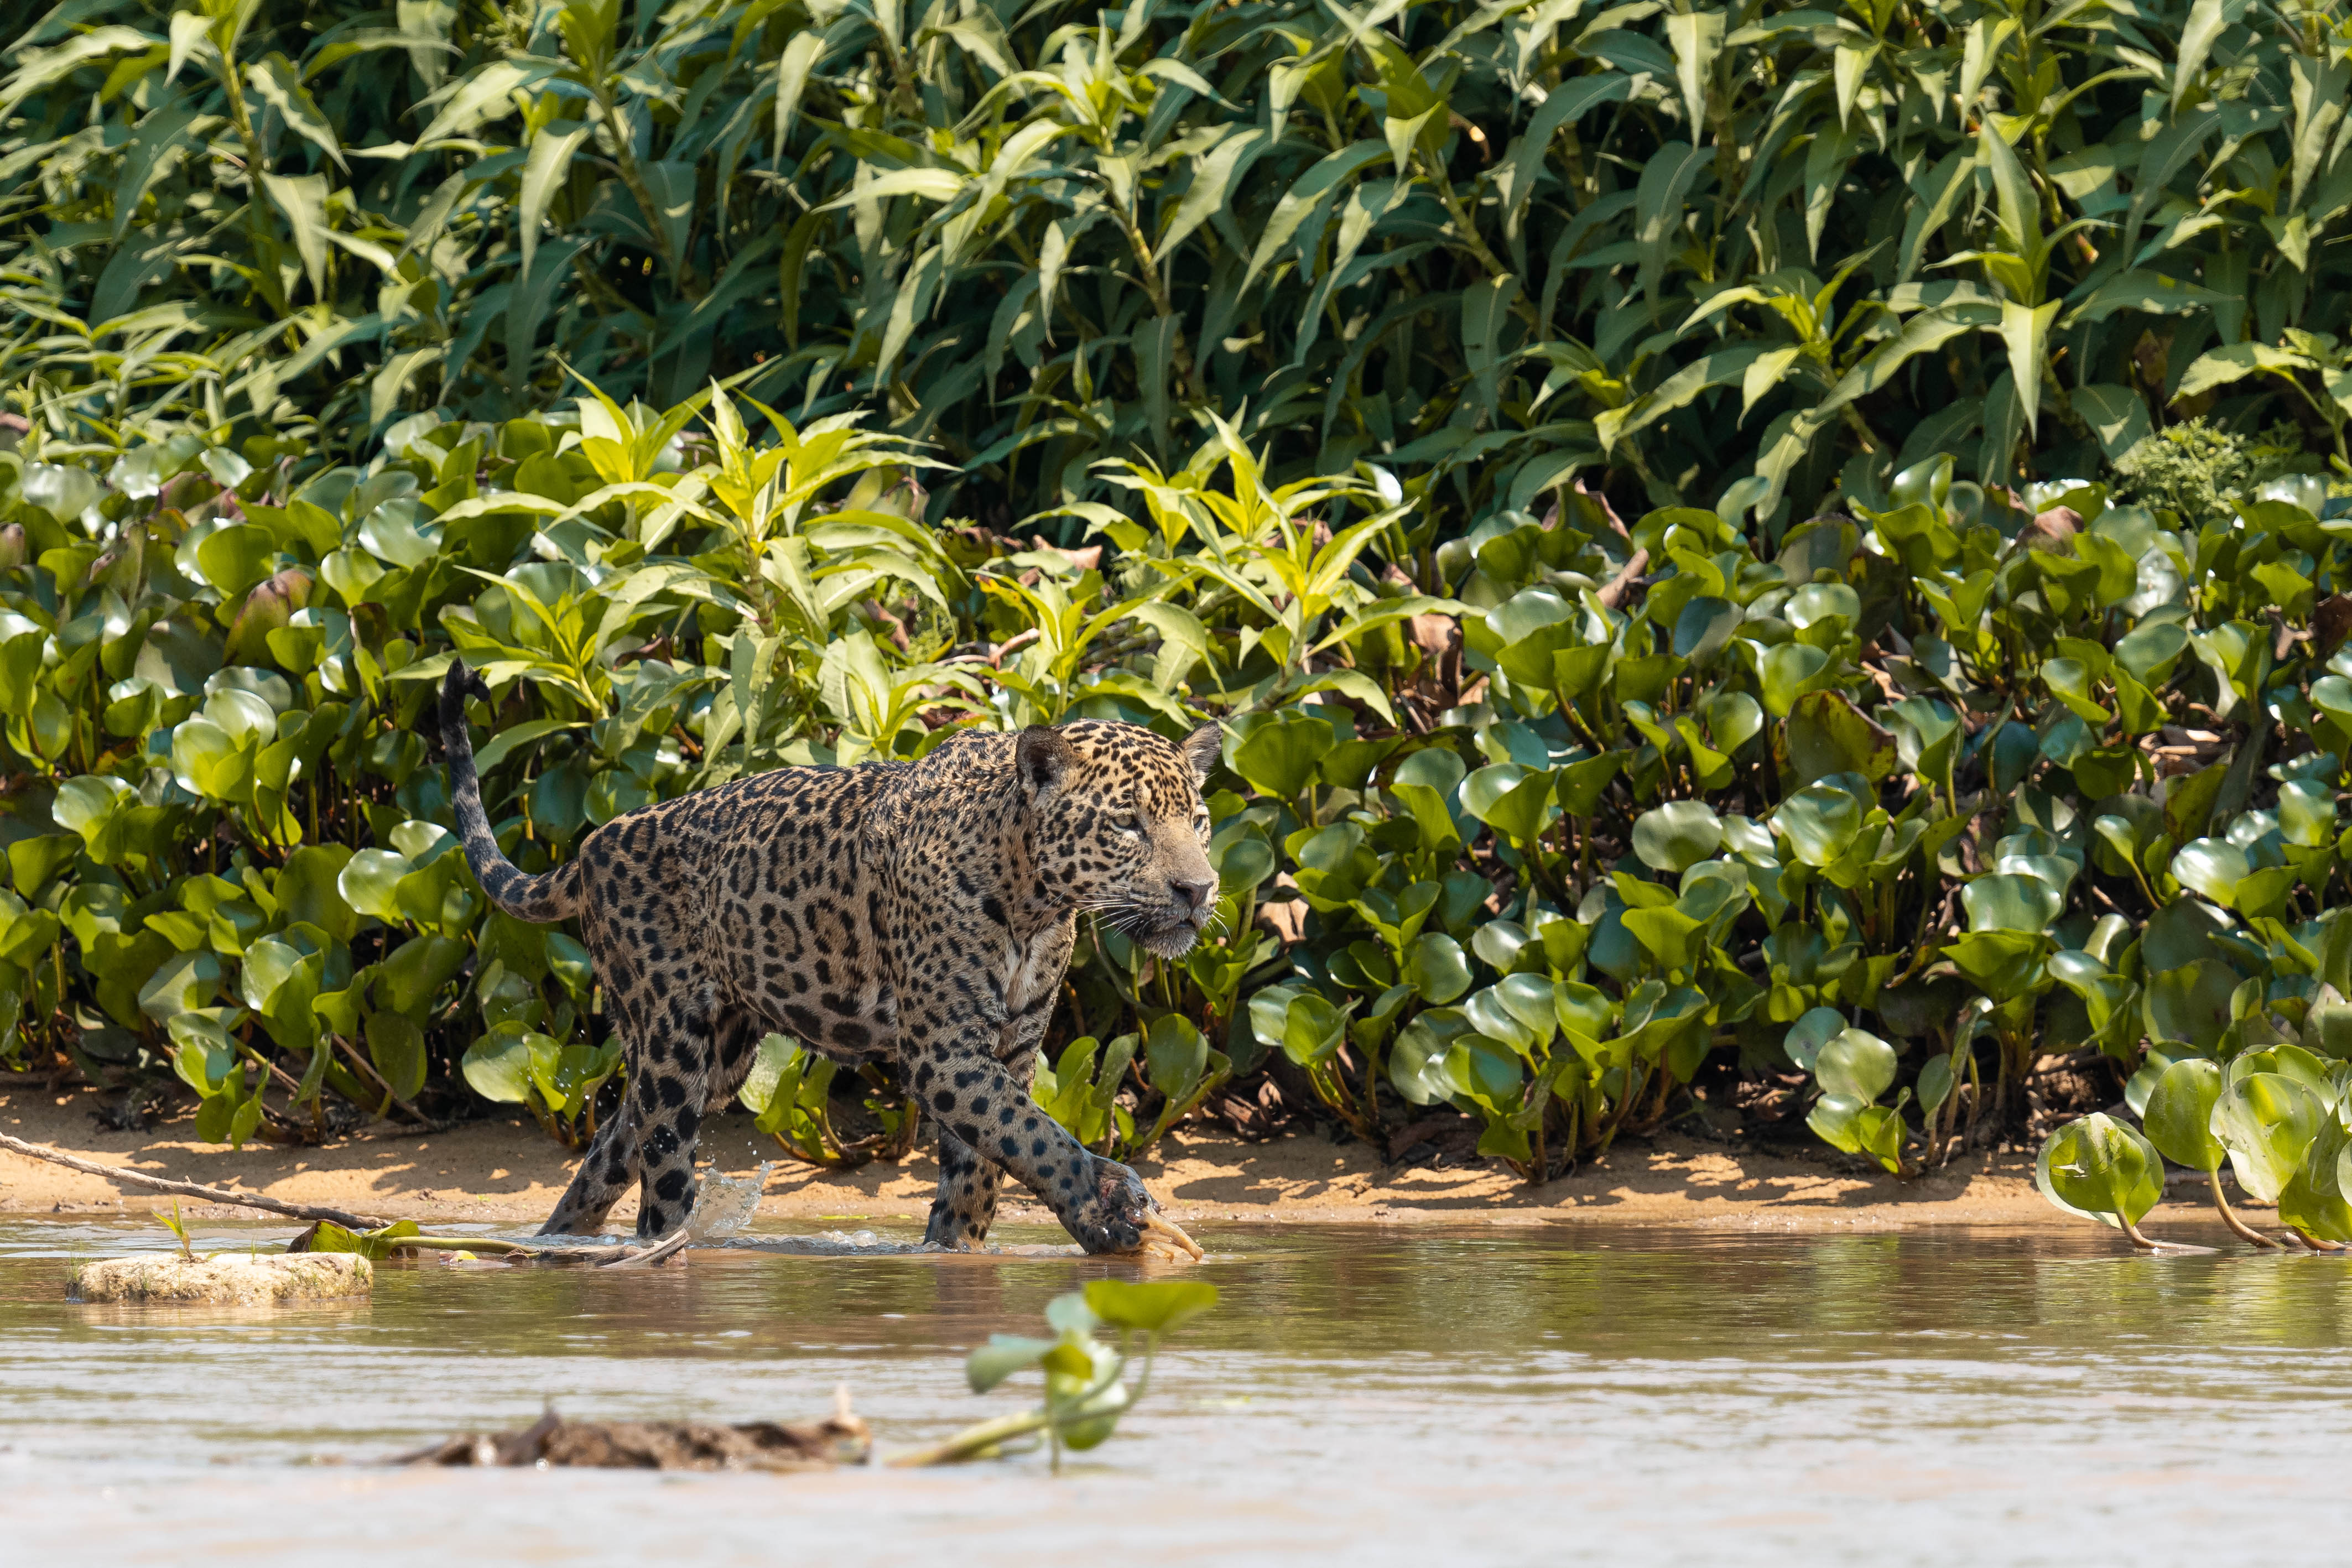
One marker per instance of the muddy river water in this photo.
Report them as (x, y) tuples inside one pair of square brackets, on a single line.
[(1479, 1395)]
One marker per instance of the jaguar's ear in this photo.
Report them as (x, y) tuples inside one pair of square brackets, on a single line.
[(1044, 760), (1202, 748)]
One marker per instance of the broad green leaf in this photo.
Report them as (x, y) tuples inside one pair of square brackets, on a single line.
[(2179, 1115), (2009, 901), (1280, 757), (2101, 1168), (2266, 1120), (1153, 1306), (1822, 822), (1677, 835), (1856, 1064), (1827, 734)]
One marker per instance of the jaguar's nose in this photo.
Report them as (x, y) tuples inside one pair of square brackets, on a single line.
[(1197, 897)]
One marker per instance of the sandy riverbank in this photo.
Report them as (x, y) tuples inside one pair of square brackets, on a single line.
[(508, 1171)]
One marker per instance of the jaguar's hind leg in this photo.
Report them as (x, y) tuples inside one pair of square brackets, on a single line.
[(672, 1077), (605, 1172)]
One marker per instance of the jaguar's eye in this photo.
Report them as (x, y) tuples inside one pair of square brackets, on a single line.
[(1128, 822)]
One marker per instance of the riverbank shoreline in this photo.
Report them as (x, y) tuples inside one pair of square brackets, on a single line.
[(506, 1171)]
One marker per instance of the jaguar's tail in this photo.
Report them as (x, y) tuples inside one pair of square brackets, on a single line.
[(541, 899)]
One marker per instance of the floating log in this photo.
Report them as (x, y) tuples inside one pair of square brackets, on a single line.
[(841, 1438)]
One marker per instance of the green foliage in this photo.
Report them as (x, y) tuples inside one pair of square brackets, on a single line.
[(2277, 1111), (1086, 1380), (1296, 364), (1712, 815), (1749, 256), (789, 1091), (2201, 472)]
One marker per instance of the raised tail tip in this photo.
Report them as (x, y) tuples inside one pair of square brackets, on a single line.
[(464, 683), (460, 684)]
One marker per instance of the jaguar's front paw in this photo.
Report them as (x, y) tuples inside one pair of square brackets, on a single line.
[(1122, 1217)]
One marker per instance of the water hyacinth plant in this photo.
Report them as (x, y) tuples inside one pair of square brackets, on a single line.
[(1766, 553)]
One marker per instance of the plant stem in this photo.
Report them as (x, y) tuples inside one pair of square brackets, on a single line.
[(973, 1442), (2238, 1226)]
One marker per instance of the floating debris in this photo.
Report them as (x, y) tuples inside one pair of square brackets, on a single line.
[(841, 1438), (224, 1279)]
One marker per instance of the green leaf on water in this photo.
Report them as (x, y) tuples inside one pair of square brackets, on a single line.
[(1154, 1306), (2100, 1167)]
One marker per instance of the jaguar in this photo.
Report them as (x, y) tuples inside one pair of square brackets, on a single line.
[(919, 913)]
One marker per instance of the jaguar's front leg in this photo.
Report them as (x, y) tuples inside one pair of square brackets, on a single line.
[(1101, 1202)]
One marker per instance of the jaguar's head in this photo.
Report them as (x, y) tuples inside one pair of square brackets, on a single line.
[(1116, 827)]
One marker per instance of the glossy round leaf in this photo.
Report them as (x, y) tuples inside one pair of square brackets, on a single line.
[(370, 881), (1417, 1059), (2180, 1116), (396, 1046), (1498, 943), (1855, 1063), (2101, 1168), (245, 716), (1833, 1120), (1313, 1029), (1436, 968), (1677, 835), (1937, 1081), (497, 1065), (1805, 1039), (1581, 782), (2214, 867), (1733, 718), (1827, 734), (1279, 757), (402, 531), (1515, 801), (1821, 823), (1786, 671), (2190, 1002), (209, 762), (1154, 1306), (2007, 901), (1822, 602), (1243, 863), (236, 556), (1528, 1000), (2266, 1120), (1583, 1012), (1490, 1018)]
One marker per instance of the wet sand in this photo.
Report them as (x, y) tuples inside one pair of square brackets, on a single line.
[(507, 1170)]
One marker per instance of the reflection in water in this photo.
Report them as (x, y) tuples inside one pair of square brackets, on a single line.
[(1490, 1394)]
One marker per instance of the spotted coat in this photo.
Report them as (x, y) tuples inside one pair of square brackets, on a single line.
[(916, 913)]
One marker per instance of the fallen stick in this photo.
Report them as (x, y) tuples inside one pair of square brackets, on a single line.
[(192, 1189), (627, 1254)]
